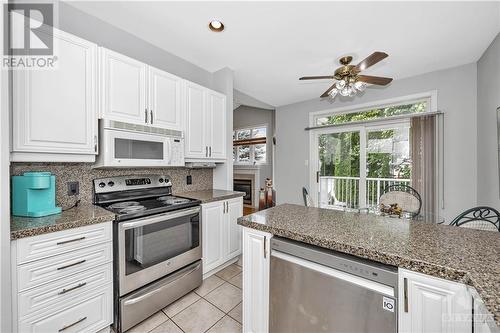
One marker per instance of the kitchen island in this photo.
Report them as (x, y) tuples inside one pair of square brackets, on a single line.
[(469, 257)]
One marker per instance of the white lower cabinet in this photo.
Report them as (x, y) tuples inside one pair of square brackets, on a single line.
[(428, 304), (256, 269), (221, 234), (63, 281)]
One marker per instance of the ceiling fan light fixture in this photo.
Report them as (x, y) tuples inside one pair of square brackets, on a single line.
[(340, 84), (360, 86), (345, 91), (216, 26), (333, 93)]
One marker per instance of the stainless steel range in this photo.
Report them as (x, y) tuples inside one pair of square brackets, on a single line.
[(157, 244)]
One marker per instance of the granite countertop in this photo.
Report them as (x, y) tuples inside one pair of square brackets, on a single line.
[(80, 216), (459, 254), (210, 195)]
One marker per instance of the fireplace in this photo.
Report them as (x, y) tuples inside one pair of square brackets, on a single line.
[(244, 185)]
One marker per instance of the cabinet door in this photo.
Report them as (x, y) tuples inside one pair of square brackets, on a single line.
[(123, 84), (212, 215), (433, 305), (164, 99), (256, 260), (54, 110), (234, 211), (195, 122), (216, 125)]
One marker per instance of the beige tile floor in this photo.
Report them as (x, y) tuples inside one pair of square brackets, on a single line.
[(214, 307)]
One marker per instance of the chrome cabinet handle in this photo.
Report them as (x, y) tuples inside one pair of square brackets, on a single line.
[(146, 116), (71, 265), (151, 116), (64, 291), (210, 151), (95, 143), (172, 279), (206, 151), (71, 241), (405, 280), (159, 218), (73, 324)]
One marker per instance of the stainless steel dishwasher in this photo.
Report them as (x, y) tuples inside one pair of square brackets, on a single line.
[(317, 290)]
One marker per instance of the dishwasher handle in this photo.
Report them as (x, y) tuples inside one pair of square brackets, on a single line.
[(361, 282)]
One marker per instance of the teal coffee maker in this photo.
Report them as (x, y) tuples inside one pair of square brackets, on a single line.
[(34, 194)]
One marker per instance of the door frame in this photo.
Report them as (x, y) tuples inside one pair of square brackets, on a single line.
[(314, 159), (363, 130)]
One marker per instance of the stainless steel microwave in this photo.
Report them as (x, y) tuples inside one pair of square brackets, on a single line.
[(129, 145)]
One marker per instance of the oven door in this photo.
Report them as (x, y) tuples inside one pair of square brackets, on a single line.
[(132, 149), (152, 247)]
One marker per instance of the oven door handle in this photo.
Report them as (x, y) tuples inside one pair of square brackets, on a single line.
[(159, 218), (169, 281)]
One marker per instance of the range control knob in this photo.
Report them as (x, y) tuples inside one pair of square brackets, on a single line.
[(111, 183), (160, 180), (102, 184)]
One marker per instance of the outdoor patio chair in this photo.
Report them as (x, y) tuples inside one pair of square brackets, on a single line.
[(405, 196)]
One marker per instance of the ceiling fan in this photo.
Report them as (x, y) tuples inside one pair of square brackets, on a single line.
[(348, 81)]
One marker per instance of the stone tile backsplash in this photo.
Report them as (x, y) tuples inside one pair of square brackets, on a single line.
[(84, 173)]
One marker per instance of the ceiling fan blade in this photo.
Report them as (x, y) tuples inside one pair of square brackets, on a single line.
[(378, 80), (371, 60), (325, 94), (317, 77)]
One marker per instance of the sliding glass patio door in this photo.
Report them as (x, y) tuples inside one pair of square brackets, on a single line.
[(356, 165)]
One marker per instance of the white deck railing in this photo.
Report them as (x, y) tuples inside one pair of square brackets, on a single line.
[(340, 192)]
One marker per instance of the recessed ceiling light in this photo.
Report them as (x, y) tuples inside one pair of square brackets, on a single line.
[(216, 26)]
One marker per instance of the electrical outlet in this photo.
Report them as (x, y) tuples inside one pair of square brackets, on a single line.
[(73, 188), (189, 180)]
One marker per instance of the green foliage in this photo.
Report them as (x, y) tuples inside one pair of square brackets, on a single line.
[(374, 114), (339, 152)]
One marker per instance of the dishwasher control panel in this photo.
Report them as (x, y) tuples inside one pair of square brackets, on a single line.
[(364, 268)]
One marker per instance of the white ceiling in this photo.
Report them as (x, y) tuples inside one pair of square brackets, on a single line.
[(269, 45)]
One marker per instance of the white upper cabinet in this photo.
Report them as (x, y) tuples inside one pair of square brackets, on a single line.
[(123, 88), (165, 99), (54, 110), (136, 93), (205, 123), (429, 304), (195, 142), (216, 127)]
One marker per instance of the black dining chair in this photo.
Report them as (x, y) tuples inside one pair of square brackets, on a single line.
[(307, 198), (482, 218)]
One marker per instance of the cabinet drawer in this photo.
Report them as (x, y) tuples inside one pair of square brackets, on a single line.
[(91, 314), (64, 292), (42, 246), (54, 268)]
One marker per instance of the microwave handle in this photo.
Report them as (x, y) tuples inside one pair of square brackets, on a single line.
[(160, 218), (170, 151)]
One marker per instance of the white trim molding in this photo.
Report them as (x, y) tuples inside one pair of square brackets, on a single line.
[(429, 95), (432, 108)]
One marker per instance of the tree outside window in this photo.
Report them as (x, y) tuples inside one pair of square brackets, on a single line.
[(249, 145)]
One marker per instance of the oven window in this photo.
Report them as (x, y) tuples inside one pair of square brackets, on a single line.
[(154, 243), (137, 149)]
